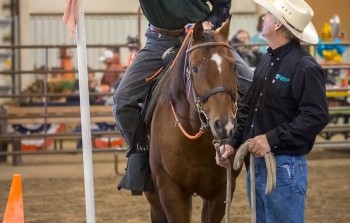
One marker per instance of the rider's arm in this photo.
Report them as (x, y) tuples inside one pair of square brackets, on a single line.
[(219, 13)]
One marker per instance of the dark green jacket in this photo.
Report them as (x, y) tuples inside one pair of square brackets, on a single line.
[(175, 14)]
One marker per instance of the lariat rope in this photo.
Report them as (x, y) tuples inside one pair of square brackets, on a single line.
[(270, 168), (177, 122)]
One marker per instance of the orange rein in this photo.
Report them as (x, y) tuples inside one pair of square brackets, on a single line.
[(196, 136), (202, 129)]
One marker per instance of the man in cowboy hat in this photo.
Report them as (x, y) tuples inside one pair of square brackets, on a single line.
[(283, 111)]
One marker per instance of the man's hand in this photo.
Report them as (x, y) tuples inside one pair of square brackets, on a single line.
[(225, 151), (259, 145)]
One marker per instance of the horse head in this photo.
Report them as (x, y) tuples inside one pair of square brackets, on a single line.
[(212, 79)]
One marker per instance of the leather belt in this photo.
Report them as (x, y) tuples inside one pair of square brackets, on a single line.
[(168, 32)]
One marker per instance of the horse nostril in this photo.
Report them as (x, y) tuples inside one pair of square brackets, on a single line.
[(219, 127), (230, 133)]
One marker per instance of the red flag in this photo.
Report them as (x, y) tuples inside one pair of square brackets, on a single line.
[(70, 15)]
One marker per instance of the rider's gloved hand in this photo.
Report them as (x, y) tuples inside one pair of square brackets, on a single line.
[(188, 27), (206, 25)]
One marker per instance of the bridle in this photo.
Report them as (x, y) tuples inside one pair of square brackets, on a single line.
[(199, 101)]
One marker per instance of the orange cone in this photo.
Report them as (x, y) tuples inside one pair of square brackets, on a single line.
[(14, 209)]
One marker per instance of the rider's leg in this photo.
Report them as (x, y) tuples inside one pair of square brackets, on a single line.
[(133, 90)]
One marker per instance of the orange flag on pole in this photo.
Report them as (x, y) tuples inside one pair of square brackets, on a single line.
[(70, 16)]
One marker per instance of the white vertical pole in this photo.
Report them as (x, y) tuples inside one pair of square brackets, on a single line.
[(85, 115)]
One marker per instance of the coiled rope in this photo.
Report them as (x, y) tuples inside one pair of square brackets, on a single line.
[(228, 184), (270, 168)]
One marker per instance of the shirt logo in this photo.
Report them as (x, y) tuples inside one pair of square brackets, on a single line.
[(282, 78)]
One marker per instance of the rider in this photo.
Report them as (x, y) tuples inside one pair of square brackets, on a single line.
[(167, 20)]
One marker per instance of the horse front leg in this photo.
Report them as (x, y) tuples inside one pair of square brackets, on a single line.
[(213, 209), (176, 204), (157, 213)]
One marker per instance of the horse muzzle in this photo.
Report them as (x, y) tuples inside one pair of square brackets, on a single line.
[(223, 128)]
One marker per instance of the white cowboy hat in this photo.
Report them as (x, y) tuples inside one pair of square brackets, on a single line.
[(106, 54), (295, 15)]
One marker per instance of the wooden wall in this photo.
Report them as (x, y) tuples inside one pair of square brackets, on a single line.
[(324, 10)]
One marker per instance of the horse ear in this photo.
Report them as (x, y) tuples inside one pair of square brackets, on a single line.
[(225, 29), (197, 30)]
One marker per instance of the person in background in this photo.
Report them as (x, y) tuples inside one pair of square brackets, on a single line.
[(94, 87), (133, 44), (251, 55), (283, 111), (66, 64), (258, 38), (165, 34), (114, 69)]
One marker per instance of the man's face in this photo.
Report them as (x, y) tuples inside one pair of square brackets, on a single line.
[(268, 25)]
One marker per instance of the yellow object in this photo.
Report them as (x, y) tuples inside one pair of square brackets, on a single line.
[(326, 33), (331, 55), (335, 94)]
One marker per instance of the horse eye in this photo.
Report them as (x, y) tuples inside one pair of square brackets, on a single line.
[(195, 69)]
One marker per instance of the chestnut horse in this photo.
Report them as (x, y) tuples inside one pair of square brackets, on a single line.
[(196, 104)]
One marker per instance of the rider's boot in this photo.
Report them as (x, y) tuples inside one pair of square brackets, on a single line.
[(137, 177)]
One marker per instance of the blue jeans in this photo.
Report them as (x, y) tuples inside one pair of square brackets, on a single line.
[(286, 203), (132, 90)]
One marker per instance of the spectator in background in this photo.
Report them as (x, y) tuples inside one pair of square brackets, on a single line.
[(250, 55), (66, 64), (114, 69), (258, 38), (93, 88), (133, 44)]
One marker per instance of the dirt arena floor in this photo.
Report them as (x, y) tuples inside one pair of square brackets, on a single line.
[(53, 190)]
